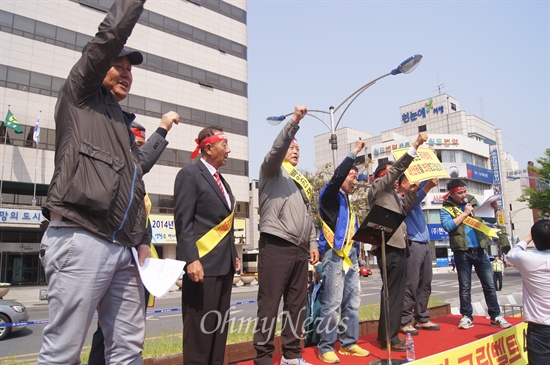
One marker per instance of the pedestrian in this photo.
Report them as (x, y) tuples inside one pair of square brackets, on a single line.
[(203, 217), (498, 268), (342, 295), (468, 242), (149, 152), (382, 192), (534, 267), (287, 241), (453, 264), (95, 204), (418, 285)]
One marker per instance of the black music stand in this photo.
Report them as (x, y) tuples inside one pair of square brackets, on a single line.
[(379, 225)]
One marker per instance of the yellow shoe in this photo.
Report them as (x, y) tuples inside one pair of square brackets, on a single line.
[(329, 357), (354, 350)]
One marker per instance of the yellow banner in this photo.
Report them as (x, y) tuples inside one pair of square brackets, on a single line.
[(505, 347), (299, 179), (206, 243), (425, 165), (500, 217), (473, 223)]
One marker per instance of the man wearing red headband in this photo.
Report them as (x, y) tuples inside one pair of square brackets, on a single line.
[(287, 240), (340, 266), (382, 192), (203, 217), (468, 246)]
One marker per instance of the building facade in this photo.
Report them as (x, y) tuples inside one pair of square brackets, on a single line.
[(195, 63), (469, 147)]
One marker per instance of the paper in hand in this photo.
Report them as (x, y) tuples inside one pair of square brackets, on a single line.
[(158, 275)]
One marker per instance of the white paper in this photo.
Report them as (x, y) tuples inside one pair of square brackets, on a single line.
[(485, 210), (158, 275)]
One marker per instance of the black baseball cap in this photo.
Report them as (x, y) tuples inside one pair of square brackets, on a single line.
[(135, 57)]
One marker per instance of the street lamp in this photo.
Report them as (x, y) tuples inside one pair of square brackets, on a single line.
[(407, 66), (513, 178), (512, 214)]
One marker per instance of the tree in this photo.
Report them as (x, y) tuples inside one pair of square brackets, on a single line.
[(540, 199)]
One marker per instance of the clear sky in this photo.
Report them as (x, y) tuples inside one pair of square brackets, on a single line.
[(492, 56)]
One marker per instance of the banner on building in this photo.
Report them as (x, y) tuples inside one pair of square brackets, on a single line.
[(425, 165), (163, 229), (495, 165)]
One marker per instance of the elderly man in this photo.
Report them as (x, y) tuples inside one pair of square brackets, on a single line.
[(286, 236), (95, 204), (203, 217)]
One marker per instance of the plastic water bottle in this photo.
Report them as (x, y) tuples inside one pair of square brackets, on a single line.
[(409, 344)]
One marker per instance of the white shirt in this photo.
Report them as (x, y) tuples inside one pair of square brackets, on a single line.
[(212, 170), (534, 267)]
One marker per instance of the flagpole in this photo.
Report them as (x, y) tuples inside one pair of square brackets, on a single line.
[(36, 138), (3, 159)]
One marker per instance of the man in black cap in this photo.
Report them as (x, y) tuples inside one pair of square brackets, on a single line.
[(95, 204)]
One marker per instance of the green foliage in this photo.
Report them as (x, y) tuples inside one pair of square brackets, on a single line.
[(540, 198)]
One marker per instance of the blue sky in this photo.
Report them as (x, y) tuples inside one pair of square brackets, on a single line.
[(493, 56)]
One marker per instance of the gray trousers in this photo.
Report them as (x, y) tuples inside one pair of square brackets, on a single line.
[(418, 286), (86, 273)]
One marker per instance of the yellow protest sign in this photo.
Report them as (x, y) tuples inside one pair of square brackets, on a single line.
[(425, 165), (500, 217)]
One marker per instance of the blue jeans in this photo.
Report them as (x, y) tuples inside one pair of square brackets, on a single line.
[(480, 261), (538, 347), (341, 293)]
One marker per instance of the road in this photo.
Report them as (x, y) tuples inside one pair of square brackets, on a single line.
[(24, 345)]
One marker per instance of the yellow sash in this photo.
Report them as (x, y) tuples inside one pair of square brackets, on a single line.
[(473, 223), (206, 243), (148, 205), (344, 252), (299, 179)]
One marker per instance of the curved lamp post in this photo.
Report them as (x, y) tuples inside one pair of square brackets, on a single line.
[(545, 181), (407, 66)]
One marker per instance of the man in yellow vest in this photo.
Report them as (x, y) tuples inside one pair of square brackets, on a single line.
[(497, 272)]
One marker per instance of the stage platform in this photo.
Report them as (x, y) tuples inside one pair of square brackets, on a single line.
[(481, 344)]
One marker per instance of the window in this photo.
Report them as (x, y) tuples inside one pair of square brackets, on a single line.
[(453, 106)]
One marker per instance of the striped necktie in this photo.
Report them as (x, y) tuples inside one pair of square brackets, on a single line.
[(219, 181)]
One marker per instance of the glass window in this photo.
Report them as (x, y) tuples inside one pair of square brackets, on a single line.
[(6, 19), (18, 76), (57, 83), (154, 61), (46, 30), (225, 7), (199, 34), (211, 78), (41, 80), (171, 24), (186, 29), (448, 156), (468, 158), (3, 72), (156, 19), (153, 105), (66, 36), (185, 70), (199, 74), (136, 101), (170, 66), (433, 216), (238, 86), (184, 112), (212, 39), (211, 118), (240, 126), (197, 115), (24, 24)]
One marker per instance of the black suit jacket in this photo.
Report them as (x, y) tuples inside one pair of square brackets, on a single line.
[(199, 206)]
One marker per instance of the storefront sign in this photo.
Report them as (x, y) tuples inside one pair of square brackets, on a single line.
[(495, 165), (422, 112), (163, 228), (437, 232), (20, 216), (479, 173)]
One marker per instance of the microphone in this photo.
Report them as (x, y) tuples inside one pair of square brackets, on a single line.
[(465, 200)]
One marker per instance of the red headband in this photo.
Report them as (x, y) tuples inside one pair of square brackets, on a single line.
[(208, 140), (138, 132), (381, 173), (454, 190), (352, 172)]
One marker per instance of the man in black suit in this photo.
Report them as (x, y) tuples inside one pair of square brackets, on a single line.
[(203, 216)]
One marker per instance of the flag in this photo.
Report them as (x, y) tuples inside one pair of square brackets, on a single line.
[(36, 135), (11, 122)]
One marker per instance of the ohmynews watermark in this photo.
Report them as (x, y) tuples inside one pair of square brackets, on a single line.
[(214, 321)]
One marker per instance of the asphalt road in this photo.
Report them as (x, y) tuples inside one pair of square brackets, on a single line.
[(24, 345)]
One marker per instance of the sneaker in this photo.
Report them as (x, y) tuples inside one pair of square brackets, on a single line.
[(354, 350), (499, 321), (409, 329), (430, 326), (328, 357), (465, 323), (298, 361)]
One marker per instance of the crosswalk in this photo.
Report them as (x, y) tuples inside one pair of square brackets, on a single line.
[(510, 304)]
